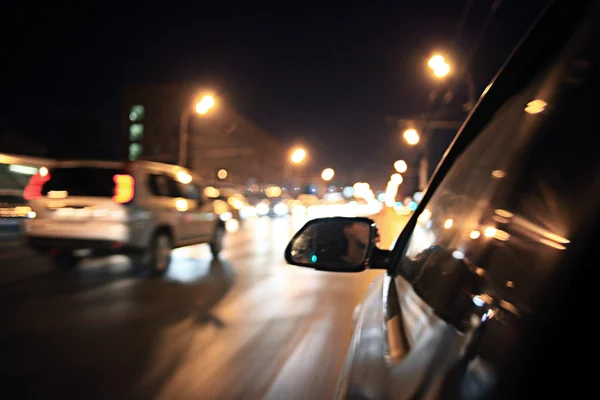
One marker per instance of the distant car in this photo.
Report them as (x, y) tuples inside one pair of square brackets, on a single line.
[(140, 208), (489, 290), (237, 205)]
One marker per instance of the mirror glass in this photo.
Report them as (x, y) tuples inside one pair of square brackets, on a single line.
[(331, 243)]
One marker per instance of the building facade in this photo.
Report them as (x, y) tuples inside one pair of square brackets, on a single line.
[(220, 140)]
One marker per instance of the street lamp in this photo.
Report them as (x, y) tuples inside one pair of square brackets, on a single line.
[(400, 166), (298, 156), (202, 107), (327, 174), (411, 136), (439, 66), (441, 69), (205, 104), (222, 173)]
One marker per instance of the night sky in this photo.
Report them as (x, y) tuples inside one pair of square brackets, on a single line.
[(326, 76)]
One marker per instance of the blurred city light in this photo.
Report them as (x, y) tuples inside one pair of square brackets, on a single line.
[(436, 61), (181, 204), (280, 209), (490, 231), (474, 234), (298, 156), (535, 106), (273, 191), (360, 187), (499, 174), (425, 216), (418, 196), (212, 192), (327, 174), (232, 225), (184, 177), (441, 71), (226, 216), (458, 254), (411, 136), (501, 235), (348, 192), (205, 104), (222, 173), (262, 208), (248, 212), (24, 169), (235, 202), (396, 179), (400, 166), (390, 194), (439, 66)]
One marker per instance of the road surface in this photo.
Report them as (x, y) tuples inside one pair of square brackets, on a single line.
[(245, 327)]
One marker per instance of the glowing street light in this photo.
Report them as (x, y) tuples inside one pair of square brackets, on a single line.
[(411, 136), (327, 174), (202, 107), (205, 104), (441, 71), (222, 173), (396, 179), (435, 61), (439, 66), (400, 166), (298, 156)]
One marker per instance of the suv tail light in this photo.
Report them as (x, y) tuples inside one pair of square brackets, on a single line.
[(33, 190), (124, 188)]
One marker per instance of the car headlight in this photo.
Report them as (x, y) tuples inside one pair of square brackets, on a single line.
[(262, 209), (280, 209)]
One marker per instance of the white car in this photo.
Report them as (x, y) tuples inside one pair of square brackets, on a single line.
[(140, 208)]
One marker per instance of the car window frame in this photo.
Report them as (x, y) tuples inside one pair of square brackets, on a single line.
[(536, 50)]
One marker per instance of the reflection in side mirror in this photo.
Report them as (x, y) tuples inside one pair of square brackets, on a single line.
[(333, 244)]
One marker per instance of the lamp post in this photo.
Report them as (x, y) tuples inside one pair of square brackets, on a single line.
[(296, 157), (202, 107)]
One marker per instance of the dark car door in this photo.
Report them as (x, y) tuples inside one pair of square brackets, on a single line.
[(517, 192)]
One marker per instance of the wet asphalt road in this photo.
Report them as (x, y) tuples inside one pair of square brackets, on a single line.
[(246, 326)]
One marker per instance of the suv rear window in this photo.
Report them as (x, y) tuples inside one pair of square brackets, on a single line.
[(82, 181)]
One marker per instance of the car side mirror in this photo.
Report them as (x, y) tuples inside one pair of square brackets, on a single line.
[(336, 244)]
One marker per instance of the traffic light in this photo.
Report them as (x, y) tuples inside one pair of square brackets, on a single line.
[(136, 131)]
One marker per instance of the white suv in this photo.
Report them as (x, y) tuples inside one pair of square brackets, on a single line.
[(140, 208)]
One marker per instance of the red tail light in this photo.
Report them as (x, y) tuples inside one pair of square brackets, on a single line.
[(124, 188), (33, 190)]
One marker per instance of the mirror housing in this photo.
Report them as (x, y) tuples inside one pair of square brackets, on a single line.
[(337, 244)]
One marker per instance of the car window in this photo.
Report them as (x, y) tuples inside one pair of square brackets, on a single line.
[(497, 227), (190, 191), (164, 186), (82, 181)]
